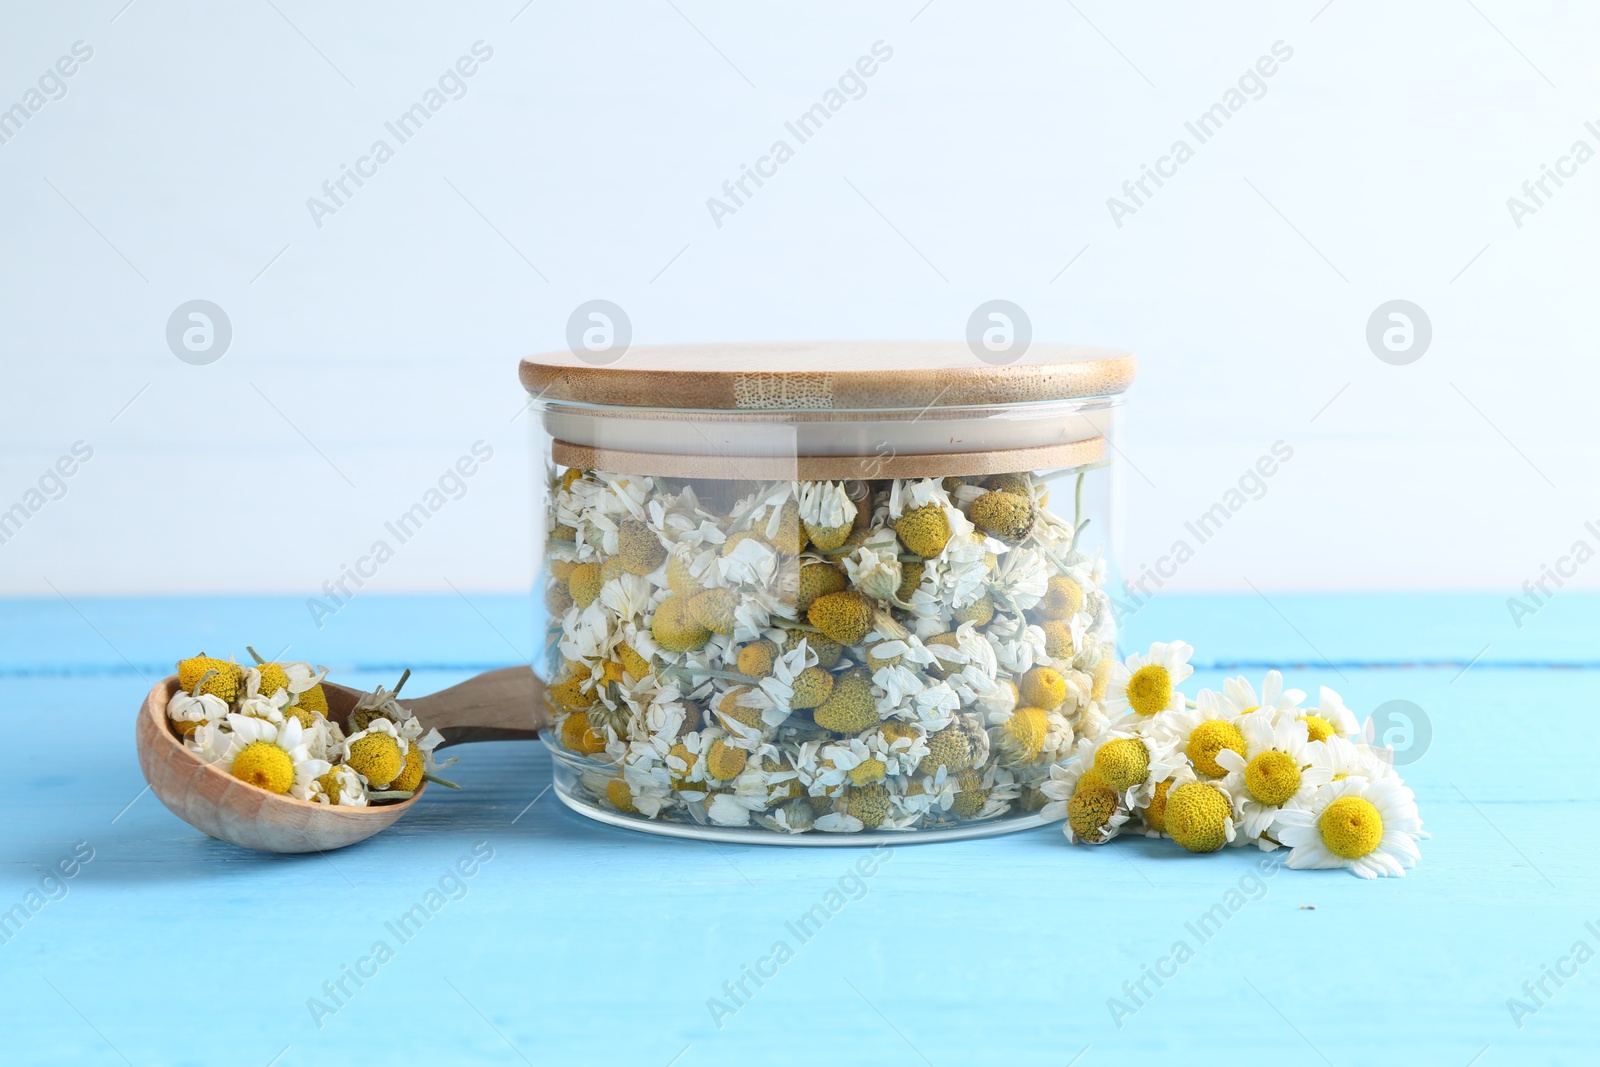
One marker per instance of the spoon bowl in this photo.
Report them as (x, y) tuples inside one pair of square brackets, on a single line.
[(499, 705)]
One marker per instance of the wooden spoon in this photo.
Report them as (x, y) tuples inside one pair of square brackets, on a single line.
[(502, 705)]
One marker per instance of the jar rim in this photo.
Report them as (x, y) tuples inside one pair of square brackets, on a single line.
[(786, 377)]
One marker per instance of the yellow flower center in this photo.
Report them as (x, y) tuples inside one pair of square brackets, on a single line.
[(1351, 827), (1319, 728), (1091, 807), (266, 766), (1155, 816), (1252, 707), (1150, 689), (1272, 777), (1123, 763), (1210, 738), (868, 772), (377, 758), (1197, 817)]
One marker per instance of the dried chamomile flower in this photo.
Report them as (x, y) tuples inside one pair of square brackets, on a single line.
[(190, 712), (676, 629), (225, 680), (1062, 599), (639, 547), (828, 652), (844, 618), (584, 582), (812, 687), (1006, 516), (377, 753), (818, 579), (756, 659), (979, 612), (1020, 737), (714, 608), (1042, 687), (924, 531), (273, 757), (851, 707), (341, 786), (827, 513), (579, 736), (1020, 484)]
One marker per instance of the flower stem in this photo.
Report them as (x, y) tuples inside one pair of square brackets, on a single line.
[(729, 676), (397, 686), (254, 655), (789, 624), (440, 781), (1072, 546)]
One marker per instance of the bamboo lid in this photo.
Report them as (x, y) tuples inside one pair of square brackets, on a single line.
[(827, 375)]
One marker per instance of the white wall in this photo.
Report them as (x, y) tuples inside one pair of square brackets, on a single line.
[(591, 140)]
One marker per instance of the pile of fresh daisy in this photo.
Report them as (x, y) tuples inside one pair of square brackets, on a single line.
[(834, 656), (267, 724), (1236, 768)]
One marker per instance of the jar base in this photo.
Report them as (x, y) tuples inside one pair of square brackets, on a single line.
[(738, 835)]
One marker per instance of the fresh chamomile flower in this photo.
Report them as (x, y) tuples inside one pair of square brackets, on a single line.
[(1132, 762), (1330, 718), (270, 756), (1239, 696), (1340, 759), (1202, 732), (1153, 810), (1280, 771), (1370, 826), (1095, 811), (1147, 684), (1199, 816)]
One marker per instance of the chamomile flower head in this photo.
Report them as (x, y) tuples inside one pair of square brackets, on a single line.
[(925, 530), (270, 756), (1204, 731), (378, 753), (1239, 696), (1094, 809), (1199, 816), (341, 785), (1339, 759), (1147, 683), (188, 713), (827, 513), (874, 567), (204, 674), (269, 708), (1279, 772), (1153, 809), (1330, 718), (1369, 826)]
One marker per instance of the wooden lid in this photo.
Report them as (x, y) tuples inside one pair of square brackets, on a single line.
[(824, 375)]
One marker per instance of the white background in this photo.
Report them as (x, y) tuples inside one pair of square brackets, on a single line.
[(375, 350)]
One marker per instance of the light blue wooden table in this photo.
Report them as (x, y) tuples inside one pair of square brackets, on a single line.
[(577, 943)]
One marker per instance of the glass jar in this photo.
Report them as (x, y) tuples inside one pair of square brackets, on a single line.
[(822, 593)]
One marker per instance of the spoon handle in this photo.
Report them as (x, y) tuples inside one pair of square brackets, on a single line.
[(501, 705)]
